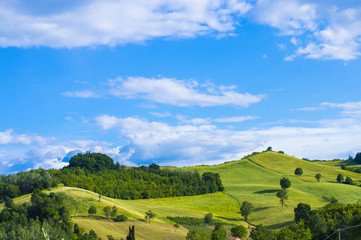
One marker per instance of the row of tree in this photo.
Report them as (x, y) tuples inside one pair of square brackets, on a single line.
[(98, 173)]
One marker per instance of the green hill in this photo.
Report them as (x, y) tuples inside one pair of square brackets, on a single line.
[(255, 179)]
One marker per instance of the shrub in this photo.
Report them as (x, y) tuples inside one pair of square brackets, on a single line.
[(92, 210), (120, 218), (208, 218), (239, 231), (340, 178), (298, 171)]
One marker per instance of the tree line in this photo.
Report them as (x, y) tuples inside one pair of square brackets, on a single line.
[(97, 172)]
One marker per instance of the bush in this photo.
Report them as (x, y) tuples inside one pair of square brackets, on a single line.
[(343, 167), (239, 231), (120, 218), (298, 171), (349, 180), (92, 210), (285, 183), (340, 178), (208, 218)]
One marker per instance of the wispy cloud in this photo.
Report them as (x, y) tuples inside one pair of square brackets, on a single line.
[(172, 92), (351, 109), (179, 93), (113, 22), (81, 94), (235, 119)]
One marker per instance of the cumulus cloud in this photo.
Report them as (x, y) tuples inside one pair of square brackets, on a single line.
[(318, 30), (188, 144), (179, 93), (113, 22)]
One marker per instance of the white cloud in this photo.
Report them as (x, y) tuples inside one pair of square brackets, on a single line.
[(350, 109), (113, 22), (10, 137), (81, 94), (157, 114), (323, 30), (179, 93), (290, 16), (186, 144)]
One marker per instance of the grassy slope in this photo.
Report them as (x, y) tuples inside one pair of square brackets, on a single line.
[(219, 204), (255, 179)]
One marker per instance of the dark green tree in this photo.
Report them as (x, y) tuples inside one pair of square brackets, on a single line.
[(197, 234), (283, 196), (219, 232), (298, 171), (357, 158), (107, 210), (261, 233), (114, 211), (285, 183), (318, 177), (246, 209), (208, 218), (131, 234), (343, 166), (302, 212), (121, 218), (349, 180), (340, 178), (239, 231), (92, 210)]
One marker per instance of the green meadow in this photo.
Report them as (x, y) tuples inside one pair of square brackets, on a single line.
[(255, 179)]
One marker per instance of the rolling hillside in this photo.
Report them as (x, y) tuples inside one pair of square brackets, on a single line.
[(255, 179)]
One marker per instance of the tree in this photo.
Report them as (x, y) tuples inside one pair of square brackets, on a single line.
[(357, 158), (349, 180), (176, 226), (282, 195), (285, 183), (261, 233), (131, 234), (113, 213), (208, 218), (197, 234), (340, 178), (9, 203), (298, 171), (121, 218), (246, 209), (302, 212), (149, 215), (269, 149), (219, 232), (343, 166), (92, 210), (239, 231), (318, 177), (107, 211)]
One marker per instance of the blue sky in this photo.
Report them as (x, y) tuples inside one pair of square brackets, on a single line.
[(178, 82)]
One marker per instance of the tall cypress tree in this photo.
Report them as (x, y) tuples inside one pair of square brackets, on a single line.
[(131, 233)]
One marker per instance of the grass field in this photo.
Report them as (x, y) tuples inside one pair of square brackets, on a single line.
[(255, 179)]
